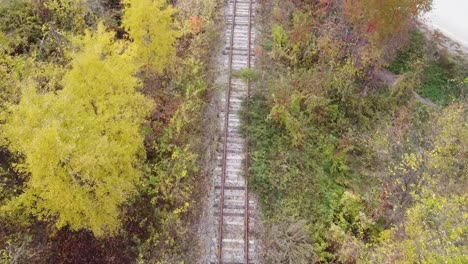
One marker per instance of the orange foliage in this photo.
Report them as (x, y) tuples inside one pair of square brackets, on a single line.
[(195, 24), (382, 19), (259, 51)]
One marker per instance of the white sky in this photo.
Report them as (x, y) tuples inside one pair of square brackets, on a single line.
[(451, 18)]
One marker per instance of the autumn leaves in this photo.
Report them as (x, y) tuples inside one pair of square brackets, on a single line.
[(82, 146)]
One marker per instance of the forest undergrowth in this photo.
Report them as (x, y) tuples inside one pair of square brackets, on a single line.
[(102, 125), (357, 126), (349, 165)]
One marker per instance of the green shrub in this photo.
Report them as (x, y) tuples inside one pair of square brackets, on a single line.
[(280, 37), (247, 74), (19, 21), (299, 181), (413, 51)]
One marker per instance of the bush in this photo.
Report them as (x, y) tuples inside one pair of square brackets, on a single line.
[(294, 180), (247, 74), (19, 21), (413, 51)]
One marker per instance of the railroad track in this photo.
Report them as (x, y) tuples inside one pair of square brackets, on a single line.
[(233, 244)]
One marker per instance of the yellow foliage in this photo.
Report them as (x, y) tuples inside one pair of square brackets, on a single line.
[(68, 13), (150, 26), (435, 232), (81, 145)]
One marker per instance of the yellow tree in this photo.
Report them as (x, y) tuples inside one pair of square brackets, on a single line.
[(432, 181), (82, 145), (434, 230), (150, 26)]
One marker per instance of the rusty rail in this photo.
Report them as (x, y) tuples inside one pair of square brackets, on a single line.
[(226, 135), (247, 207), (226, 131)]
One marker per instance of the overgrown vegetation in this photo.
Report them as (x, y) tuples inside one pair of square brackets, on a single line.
[(101, 123), (358, 131), (441, 74), (350, 165)]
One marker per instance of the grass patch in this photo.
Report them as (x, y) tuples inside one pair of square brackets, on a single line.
[(437, 81), (442, 84), (436, 86), (405, 57), (246, 74)]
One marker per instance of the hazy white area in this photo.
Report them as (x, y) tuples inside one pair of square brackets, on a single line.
[(451, 18)]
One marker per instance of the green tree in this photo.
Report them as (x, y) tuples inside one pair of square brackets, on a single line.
[(81, 146), (150, 26)]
